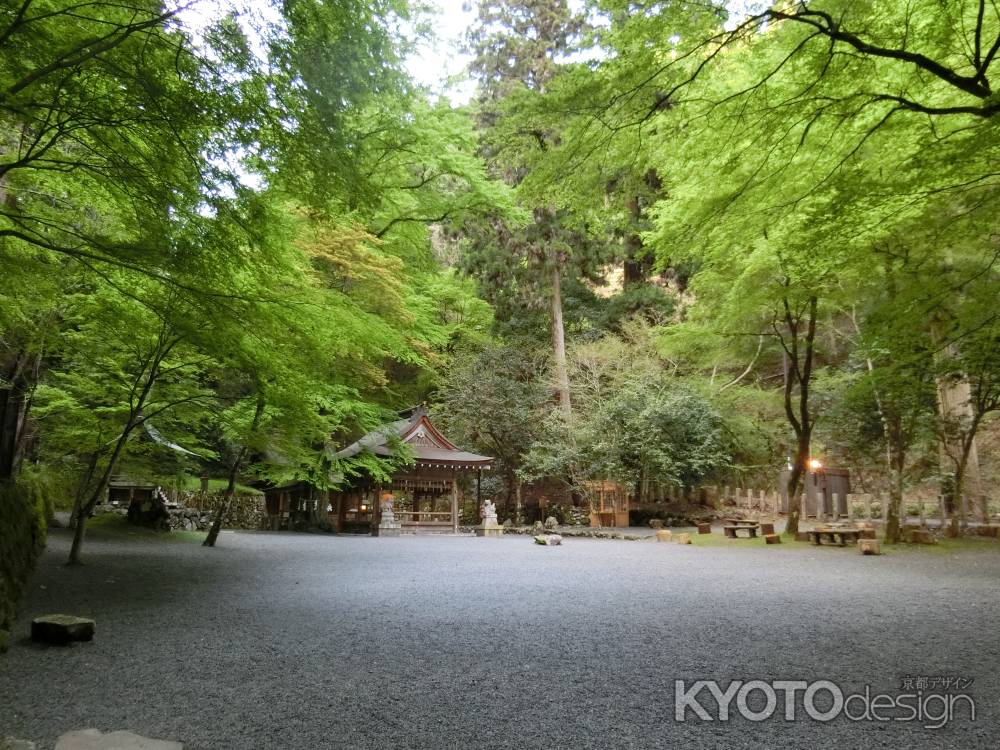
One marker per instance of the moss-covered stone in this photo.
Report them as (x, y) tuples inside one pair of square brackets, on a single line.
[(24, 506)]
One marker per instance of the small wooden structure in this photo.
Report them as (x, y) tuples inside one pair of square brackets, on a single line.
[(425, 493), (609, 503), (835, 534), (732, 530), (821, 486), (123, 491)]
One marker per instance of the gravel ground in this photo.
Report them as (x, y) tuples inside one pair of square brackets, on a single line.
[(304, 641)]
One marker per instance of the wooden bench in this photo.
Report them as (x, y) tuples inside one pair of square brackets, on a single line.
[(841, 536), (730, 531)]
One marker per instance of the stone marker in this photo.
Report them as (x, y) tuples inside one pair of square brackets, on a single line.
[(684, 538), (92, 739), (772, 538), (664, 535), (549, 540), (62, 629), (490, 527), (704, 528), (388, 525), (869, 547)]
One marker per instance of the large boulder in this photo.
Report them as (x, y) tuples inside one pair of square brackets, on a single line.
[(551, 523), (549, 540), (62, 629)]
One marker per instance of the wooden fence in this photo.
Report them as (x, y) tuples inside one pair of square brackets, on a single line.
[(862, 506)]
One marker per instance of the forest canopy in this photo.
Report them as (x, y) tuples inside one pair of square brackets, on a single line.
[(666, 243)]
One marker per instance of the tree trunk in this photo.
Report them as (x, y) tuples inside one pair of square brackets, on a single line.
[(559, 343), (892, 519), (15, 401), (234, 471), (635, 269), (519, 504), (794, 480), (83, 512), (798, 371), (957, 521), (227, 498)]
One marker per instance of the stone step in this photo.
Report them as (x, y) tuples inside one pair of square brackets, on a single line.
[(92, 739), (62, 629)]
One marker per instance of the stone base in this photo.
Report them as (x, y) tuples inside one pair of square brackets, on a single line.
[(492, 530), (664, 535), (62, 629), (92, 739), (394, 530), (684, 538), (772, 539), (869, 547)]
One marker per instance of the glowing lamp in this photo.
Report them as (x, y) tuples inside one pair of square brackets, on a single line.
[(815, 464)]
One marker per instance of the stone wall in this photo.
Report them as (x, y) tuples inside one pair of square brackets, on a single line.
[(245, 511), (195, 512)]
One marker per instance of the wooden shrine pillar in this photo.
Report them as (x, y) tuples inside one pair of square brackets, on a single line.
[(454, 503)]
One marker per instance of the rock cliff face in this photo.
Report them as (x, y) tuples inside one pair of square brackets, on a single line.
[(22, 537)]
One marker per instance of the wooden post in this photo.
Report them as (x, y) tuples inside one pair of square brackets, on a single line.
[(883, 504), (775, 502), (454, 505), (868, 506), (943, 511), (923, 514), (761, 500), (802, 505), (850, 506), (835, 499)]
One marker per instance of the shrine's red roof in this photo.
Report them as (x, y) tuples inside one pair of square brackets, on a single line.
[(429, 445)]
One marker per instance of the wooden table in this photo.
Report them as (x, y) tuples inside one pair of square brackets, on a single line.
[(834, 535), (730, 531)]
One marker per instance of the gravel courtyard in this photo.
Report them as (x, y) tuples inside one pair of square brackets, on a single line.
[(309, 641)]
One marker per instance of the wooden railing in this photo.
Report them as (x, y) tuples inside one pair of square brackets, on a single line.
[(424, 517)]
